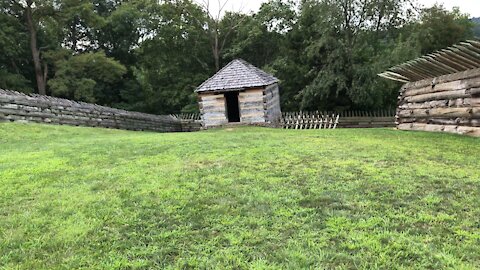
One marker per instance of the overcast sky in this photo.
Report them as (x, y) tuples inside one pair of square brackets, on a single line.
[(471, 7)]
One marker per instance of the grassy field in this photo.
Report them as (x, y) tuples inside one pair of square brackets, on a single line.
[(246, 198)]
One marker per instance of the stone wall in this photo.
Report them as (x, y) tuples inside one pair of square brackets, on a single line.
[(15, 106)]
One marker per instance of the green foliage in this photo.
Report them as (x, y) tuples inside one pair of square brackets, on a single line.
[(14, 56), (86, 77), (79, 23), (15, 81), (440, 28), (326, 53), (175, 59), (260, 39), (345, 52), (347, 43), (335, 199)]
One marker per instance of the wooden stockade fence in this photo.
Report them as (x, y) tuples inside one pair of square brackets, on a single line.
[(377, 113), (367, 119), (324, 120), (308, 120), (16, 106), (332, 120)]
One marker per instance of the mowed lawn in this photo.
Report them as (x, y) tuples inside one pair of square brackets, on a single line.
[(243, 198)]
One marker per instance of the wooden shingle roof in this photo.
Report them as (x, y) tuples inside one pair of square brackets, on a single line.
[(238, 74), (460, 57)]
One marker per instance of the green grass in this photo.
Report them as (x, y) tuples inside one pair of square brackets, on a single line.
[(245, 198)]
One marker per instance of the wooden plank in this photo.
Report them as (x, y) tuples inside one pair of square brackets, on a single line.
[(251, 105), (252, 119)]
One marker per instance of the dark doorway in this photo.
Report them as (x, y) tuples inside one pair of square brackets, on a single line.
[(233, 110)]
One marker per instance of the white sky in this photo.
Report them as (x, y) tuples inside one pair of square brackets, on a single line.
[(471, 7)]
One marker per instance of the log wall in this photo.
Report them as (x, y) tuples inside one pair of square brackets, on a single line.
[(449, 103), (212, 109), (15, 106), (252, 106), (189, 125), (272, 104)]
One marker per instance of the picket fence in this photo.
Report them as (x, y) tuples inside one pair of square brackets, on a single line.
[(187, 116), (309, 120)]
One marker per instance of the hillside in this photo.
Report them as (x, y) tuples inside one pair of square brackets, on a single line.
[(246, 198)]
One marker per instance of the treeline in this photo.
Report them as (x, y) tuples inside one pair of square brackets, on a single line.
[(149, 55)]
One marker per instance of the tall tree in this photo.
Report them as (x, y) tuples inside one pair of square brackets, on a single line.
[(79, 22), (36, 16), (261, 38), (86, 77), (440, 28), (15, 70), (40, 73), (218, 30), (174, 59), (343, 47)]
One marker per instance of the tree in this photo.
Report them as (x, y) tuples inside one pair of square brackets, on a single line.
[(153, 54), (40, 74), (124, 27), (440, 28), (79, 23), (218, 29), (49, 24), (346, 39), (86, 77), (34, 14), (15, 56), (260, 38), (174, 59)]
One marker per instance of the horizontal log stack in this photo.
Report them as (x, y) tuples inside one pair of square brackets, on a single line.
[(190, 121), (15, 106), (449, 103), (367, 119)]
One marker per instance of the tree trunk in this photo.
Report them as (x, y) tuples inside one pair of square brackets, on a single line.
[(73, 37), (39, 75), (216, 52)]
